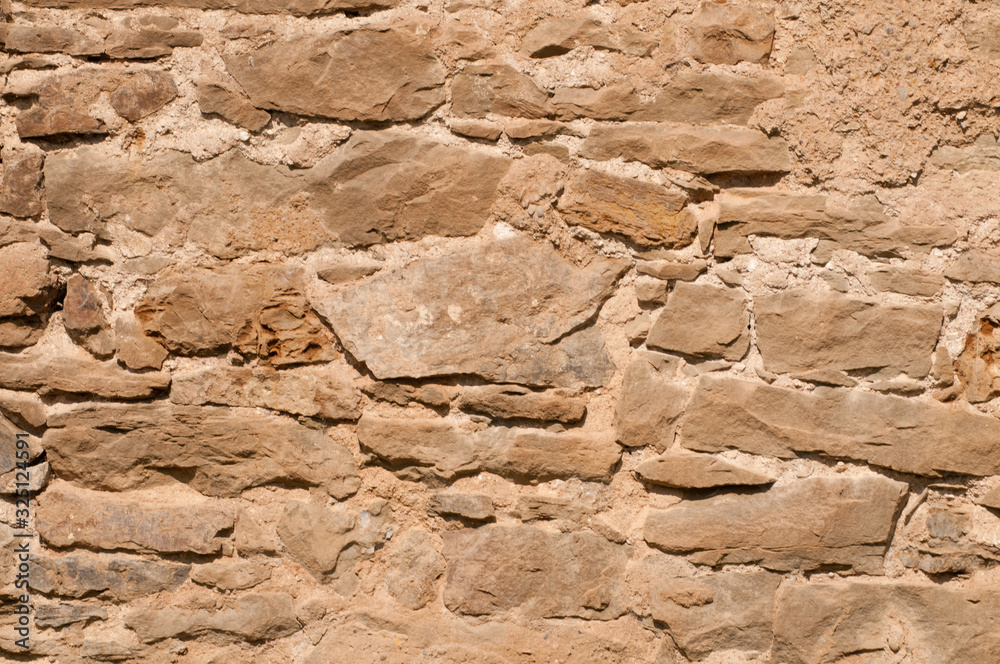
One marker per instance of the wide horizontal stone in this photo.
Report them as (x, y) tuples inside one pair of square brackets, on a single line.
[(836, 622), (798, 330), (517, 402), (683, 470), (326, 391), (443, 448), (216, 451), (730, 32), (59, 374), (451, 315), (975, 266), (132, 39), (860, 226), (906, 281), (474, 507), (499, 89), (62, 614), (319, 75), (294, 7), (978, 365), (21, 184), (252, 617), (436, 190), (231, 574), (118, 576), (559, 35), (259, 310), (702, 150), (649, 406), (19, 38), (983, 155), (641, 212), (843, 522), (908, 435), (703, 321), (725, 611), (496, 569), (68, 516)]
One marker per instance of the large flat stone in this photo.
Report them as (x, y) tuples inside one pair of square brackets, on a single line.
[(380, 75), (702, 150), (251, 617), (293, 7), (868, 622), (499, 89), (451, 315), (119, 576), (55, 374), (799, 331), (445, 449), (560, 35), (69, 516), (495, 569), (976, 266), (731, 32), (214, 450), (683, 470), (703, 321), (649, 406), (843, 522), (905, 434)]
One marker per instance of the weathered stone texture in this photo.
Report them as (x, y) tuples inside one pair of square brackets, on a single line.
[(556, 36), (650, 405), (54, 374), (119, 576), (517, 402), (683, 470), (704, 322), (21, 184), (465, 506), (806, 524), (253, 617), (732, 32), (414, 569)]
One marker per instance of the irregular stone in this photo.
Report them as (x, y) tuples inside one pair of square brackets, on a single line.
[(231, 574), (26, 294), (940, 623), (975, 266), (990, 499), (120, 577), (649, 407), (907, 282), (328, 543), (644, 213), (703, 321), (69, 516), (130, 40), (474, 128), (807, 524), (53, 374), (556, 36), (9, 446), (981, 37), (908, 435), (977, 365), (516, 402), (650, 291), (519, 129), (947, 543), (494, 569), (671, 270), (862, 226), (548, 508), (26, 406), (799, 330), (826, 377), (435, 396), (319, 75), (39, 474), (637, 329), (702, 150), (499, 89), (725, 611), (983, 155), (297, 8), (414, 567), (253, 617), (21, 184), (450, 314), (472, 507), (683, 470), (353, 270), (16, 38), (327, 392), (83, 317), (64, 100), (442, 448), (135, 350), (216, 451), (231, 106), (259, 310), (730, 32), (60, 615)]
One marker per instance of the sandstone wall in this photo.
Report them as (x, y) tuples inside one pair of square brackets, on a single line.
[(516, 331)]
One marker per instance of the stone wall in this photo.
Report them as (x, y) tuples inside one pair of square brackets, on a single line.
[(516, 331)]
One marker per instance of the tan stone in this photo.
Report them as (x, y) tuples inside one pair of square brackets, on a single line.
[(724, 611), (644, 213), (414, 567), (297, 8), (550, 508), (443, 448), (61, 614), (906, 281), (450, 315), (26, 293), (401, 394), (327, 392), (21, 184), (701, 150), (556, 36), (983, 155), (12, 446), (703, 321), (727, 32), (495, 569), (465, 506), (977, 365), (54, 374), (349, 270), (520, 129), (252, 617), (69, 516), (904, 434), (130, 40), (233, 106), (259, 311), (83, 317), (649, 406), (671, 270), (45, 39), (216, 451), (975, 266), (806, 524), (802, 331), (650, 291), (475, 128), (500, 89), (231, 574), (683, 470), (516, 402), (990, 499), (322, 75), (981, 36), (936, 624)]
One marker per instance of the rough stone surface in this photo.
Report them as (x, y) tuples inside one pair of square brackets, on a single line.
[(732, 32), (977, 366), (253, 617), (21, 185), (650, 405), (465, 506), (806, 524), (703, 321), (516, 402), (55, 374), (494, 569), (683, 470), (975, 266), (414, 568)]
